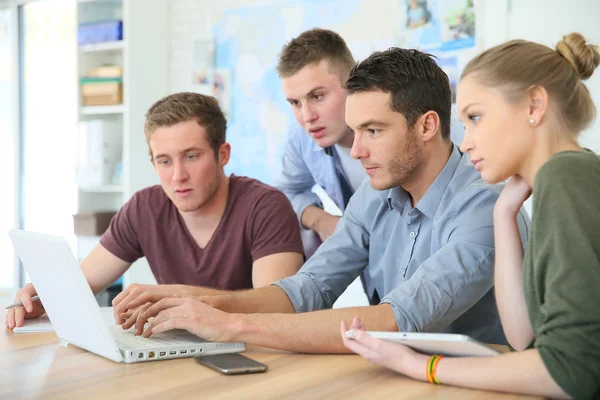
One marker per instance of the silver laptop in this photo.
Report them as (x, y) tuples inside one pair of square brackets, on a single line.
[(75, 314)]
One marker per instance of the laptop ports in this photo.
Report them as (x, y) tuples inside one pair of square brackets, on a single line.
[(162, 354), (173, 352), (182, 351), (152, 355), (141, 355)]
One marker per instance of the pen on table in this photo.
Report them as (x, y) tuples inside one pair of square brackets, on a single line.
[(34, 298)]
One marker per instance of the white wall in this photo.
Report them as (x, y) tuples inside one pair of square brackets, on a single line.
[(547, 21)]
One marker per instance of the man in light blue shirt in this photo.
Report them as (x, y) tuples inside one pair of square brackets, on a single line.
[(421, 229), (313, 68)]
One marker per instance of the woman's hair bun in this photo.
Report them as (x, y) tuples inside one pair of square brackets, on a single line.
[(583, 57)]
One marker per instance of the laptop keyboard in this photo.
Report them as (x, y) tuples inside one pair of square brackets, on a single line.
[(126, 338)]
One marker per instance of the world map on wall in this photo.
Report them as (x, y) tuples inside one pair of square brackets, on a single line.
[(248, 41)]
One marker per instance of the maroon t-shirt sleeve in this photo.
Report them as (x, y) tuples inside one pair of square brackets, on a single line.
[(275, 227), (121, 238)]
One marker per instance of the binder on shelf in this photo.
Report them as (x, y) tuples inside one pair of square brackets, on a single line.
[(98, 152), (100, 32)]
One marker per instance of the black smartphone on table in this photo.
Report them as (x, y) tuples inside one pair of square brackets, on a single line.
[(231, 364)]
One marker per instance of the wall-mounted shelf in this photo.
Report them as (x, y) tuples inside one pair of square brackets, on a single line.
[(103, 189), (145, 79), (100, 110), (106, 46)]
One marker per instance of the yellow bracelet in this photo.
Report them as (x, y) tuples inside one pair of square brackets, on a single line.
[(434, 367), (430, 367)]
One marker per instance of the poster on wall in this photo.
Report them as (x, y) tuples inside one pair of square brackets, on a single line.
[(421, 24), (203, 62), (433, 24), (222, 88), (457, 24), (443, 28)]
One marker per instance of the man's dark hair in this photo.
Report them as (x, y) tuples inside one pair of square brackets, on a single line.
[(412, 78)]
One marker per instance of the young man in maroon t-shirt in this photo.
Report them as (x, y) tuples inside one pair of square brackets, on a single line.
[(201, 231)]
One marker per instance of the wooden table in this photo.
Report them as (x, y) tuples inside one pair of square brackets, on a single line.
[(34, 365)]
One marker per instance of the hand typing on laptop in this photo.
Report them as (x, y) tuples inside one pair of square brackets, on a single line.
[(136, 295), (188, 313), (129, 300), (130, 316)]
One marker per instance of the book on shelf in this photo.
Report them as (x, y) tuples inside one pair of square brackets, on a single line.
[(98, 91), (105, 71)]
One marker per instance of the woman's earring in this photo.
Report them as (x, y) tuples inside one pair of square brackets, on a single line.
[(532, 122)]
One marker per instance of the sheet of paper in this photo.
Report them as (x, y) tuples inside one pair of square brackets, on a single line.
[(43, 323)]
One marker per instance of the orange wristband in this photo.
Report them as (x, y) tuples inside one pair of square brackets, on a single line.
[(434, 367)]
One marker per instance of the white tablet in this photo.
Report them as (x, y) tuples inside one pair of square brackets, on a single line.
[(448, 344)]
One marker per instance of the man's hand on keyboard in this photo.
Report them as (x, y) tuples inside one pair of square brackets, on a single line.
[(132, 316), (186, 313), (136, 295)]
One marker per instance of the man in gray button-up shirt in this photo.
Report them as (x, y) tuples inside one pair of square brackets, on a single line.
[(431, 263), (420, 229)]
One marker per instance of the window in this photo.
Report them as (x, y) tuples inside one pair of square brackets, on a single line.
[(38, 114), (9, 276), (49, 110)]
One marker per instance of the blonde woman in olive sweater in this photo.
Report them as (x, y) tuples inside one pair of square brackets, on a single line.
[(523, 106)]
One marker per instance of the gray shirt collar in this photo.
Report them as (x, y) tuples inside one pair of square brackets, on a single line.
[(397, 197)]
